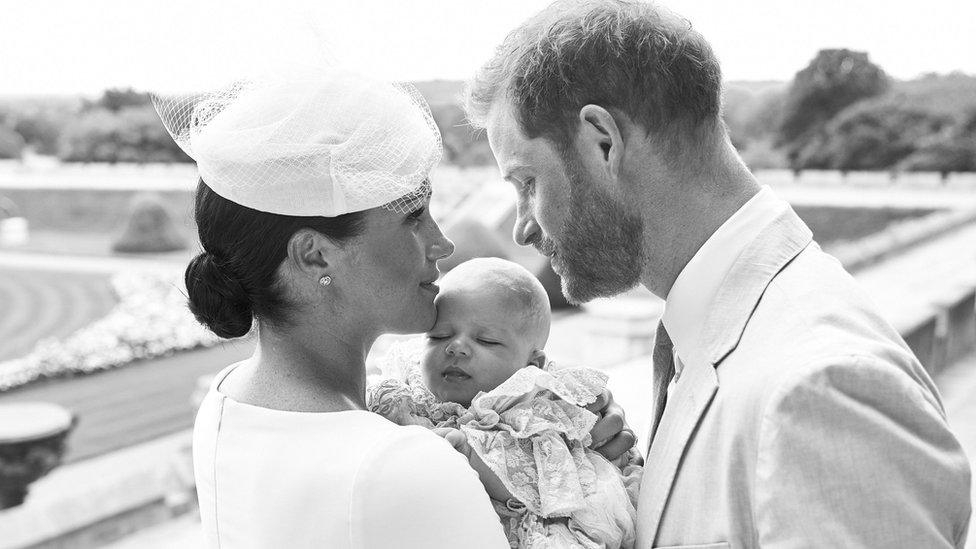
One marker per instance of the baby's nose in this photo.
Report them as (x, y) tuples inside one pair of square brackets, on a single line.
[(454, 348)]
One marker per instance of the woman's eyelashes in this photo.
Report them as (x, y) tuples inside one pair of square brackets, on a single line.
[(417, 214)]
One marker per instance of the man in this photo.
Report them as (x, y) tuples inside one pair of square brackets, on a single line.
[(788, 413)]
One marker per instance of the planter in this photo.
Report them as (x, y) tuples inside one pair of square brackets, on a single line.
[(32, 443)]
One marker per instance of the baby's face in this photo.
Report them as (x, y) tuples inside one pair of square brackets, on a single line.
[(476, 343)]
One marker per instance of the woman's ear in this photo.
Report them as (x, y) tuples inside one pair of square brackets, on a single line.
[(537, 359), (312, 253), (600, 138)]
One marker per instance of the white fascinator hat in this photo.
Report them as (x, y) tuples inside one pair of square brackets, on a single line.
[(311, 142)]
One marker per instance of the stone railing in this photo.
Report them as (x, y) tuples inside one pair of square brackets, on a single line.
[(944, 333)]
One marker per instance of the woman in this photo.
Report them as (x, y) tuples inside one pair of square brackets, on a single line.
[(312, 210)]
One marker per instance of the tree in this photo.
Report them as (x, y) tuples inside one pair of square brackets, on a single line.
[(133, 134), (11, 143), (41, 131), (116, 99), (953, 150), (870, 135), (834, 80)]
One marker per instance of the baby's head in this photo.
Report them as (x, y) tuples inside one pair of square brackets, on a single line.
[(492, 320)]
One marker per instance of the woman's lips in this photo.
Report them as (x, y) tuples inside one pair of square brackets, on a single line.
[(454, 374)]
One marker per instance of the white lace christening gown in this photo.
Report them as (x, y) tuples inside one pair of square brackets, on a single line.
[(533, 431)]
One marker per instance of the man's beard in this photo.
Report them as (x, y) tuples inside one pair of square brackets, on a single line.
[(600, 246)]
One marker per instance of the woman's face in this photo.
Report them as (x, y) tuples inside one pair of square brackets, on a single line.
[(392, 268)]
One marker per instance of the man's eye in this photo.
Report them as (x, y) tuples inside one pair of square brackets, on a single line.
[(529, 185)]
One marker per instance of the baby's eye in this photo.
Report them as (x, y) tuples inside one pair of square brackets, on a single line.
[(435, 337), (488, 341)]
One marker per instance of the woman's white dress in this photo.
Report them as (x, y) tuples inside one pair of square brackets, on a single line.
[(269, 478)]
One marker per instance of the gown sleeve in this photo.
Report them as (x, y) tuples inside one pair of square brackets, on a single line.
[(416, 491)]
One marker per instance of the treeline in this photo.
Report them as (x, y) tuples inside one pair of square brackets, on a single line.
[(120, 126), (841, 112)]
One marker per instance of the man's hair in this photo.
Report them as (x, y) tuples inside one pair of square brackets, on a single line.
[(625, 56)]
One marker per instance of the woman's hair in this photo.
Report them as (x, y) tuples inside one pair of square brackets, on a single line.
[(235, 279)]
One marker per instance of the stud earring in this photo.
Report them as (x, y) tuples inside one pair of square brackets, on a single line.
[(325, 280)]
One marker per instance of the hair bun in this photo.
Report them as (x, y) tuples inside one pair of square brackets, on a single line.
[(216, 299)]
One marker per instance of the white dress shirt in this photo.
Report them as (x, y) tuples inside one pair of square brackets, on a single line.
[(695, 288)]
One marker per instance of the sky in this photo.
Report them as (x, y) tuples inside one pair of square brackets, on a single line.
[(78, 46)]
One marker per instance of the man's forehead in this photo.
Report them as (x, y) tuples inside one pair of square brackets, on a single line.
[(513, 150)]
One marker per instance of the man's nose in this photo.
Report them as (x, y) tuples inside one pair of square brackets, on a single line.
[(526, 229), (457, 348)]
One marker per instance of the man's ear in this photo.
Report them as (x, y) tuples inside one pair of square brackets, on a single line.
[(600, 138), (312, 254), (537, 359)]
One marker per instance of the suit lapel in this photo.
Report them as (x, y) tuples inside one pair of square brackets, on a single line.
[(688, 402), (775, 247), (781, 241)]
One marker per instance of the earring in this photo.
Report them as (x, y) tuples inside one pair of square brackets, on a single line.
[(325, 280)]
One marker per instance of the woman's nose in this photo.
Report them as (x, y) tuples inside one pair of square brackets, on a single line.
[(441, 246)]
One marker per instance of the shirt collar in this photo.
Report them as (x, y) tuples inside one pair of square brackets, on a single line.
[(694, 291)]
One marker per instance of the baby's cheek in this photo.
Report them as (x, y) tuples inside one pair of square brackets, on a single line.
[(428, 364)]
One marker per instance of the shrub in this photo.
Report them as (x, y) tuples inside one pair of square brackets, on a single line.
[(149, 228), (11, 143)]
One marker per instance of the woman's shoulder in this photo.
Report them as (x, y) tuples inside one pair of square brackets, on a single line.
[(418, 482), (409, 457), (409, 445)]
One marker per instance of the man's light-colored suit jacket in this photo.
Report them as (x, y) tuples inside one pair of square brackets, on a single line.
[(813, 425)]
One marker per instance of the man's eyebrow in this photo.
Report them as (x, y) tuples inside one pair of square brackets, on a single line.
[(510, 175)]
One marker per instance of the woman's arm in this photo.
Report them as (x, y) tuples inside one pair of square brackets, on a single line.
[(418, 492)]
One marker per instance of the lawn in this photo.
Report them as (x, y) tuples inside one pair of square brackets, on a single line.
[(831, 224)]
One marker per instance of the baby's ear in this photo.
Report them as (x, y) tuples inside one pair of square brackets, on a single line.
[(537, 359)]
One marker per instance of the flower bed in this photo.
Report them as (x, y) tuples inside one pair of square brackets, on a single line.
[(150, 320)]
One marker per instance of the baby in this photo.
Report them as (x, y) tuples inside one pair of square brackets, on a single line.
[(493, 319), (483, 371)]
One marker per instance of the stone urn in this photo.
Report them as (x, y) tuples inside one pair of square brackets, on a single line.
[(32, 443)]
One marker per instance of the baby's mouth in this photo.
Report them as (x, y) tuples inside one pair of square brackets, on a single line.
[(454, 374)]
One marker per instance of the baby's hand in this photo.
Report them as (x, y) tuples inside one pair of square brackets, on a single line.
[(495, 488)]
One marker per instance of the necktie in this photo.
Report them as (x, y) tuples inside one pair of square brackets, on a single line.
[(663, 373)]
